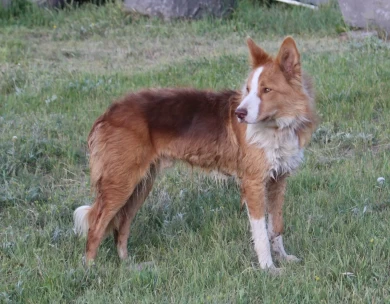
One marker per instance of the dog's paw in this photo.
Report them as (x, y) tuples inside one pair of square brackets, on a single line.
[(292, 259), (289, 258), (275, 271), (87, 264)]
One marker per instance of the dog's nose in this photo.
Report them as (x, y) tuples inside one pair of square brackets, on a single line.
[(241, 113)]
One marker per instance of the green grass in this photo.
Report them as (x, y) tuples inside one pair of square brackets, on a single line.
[(60, 70)]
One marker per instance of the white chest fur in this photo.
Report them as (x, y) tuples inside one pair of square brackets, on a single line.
[(281, 147)]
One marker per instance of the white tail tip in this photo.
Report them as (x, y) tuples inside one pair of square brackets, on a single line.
[(80, 217)]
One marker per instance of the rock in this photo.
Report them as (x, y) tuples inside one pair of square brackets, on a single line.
[(366, 14), (358, 35), (314, 2), (191, 9)]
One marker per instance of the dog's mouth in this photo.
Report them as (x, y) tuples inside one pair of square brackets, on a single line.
[(268, 117), (268, 120)]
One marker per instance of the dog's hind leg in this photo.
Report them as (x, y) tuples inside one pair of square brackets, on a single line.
[(121, 171), (276, 190), (128, 212), (112, 196)]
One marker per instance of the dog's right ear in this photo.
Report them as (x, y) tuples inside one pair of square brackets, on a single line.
[(258, 56)]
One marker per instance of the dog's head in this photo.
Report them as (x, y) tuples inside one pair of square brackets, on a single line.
[(274, 92)]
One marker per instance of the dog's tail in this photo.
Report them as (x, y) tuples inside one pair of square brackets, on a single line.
[(83, 214), (81, 220)]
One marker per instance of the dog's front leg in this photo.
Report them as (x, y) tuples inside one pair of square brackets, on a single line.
[(275, 193), (253, 194)]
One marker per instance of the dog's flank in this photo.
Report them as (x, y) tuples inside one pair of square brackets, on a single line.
[(142, 133)]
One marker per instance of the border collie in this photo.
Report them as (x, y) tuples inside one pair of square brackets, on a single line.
[(257, 135)]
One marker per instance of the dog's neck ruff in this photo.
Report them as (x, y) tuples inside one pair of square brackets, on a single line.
[(281, 146)]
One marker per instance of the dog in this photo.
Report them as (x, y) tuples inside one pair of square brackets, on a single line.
[(257, 134)]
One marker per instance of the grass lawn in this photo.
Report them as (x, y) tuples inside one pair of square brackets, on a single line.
[(189, 243)]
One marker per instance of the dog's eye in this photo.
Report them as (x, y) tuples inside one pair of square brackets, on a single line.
[(247, 89), (267, 90)]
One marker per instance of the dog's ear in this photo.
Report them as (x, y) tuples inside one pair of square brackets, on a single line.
[(257, 55), (289, 59)]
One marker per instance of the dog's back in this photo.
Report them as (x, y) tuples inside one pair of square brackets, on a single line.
[(185, 124)]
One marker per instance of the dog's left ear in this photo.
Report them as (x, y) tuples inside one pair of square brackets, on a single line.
[(289, 59)]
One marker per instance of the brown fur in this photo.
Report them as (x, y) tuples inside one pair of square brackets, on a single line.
[(131, 140)]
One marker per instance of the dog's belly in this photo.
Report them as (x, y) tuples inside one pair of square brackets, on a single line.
[(211, 156)]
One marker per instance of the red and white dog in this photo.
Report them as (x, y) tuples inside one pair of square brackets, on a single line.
[(276, 117)]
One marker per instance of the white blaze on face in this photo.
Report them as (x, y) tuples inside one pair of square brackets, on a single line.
[(252, 101)]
